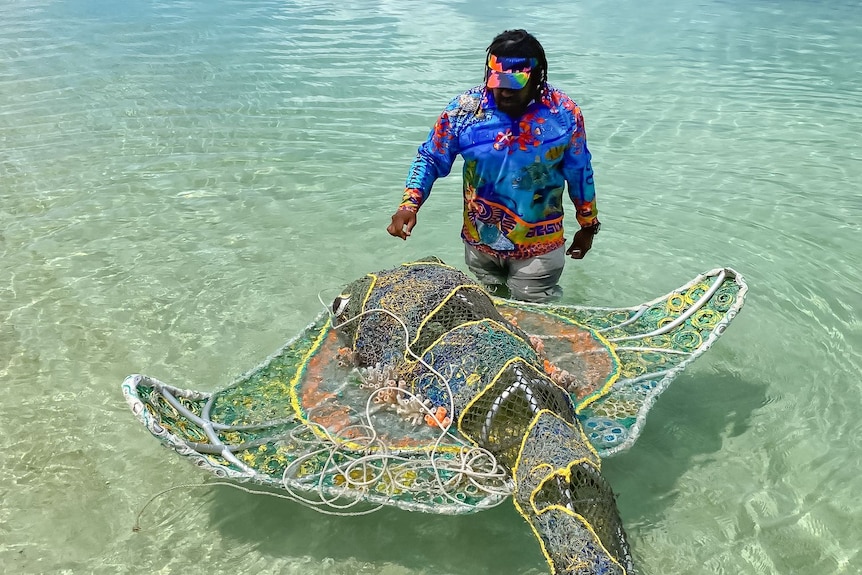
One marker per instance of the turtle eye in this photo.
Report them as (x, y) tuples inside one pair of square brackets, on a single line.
[(339, 304)]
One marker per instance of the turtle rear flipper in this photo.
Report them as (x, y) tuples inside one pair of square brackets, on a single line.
[(621, 359)]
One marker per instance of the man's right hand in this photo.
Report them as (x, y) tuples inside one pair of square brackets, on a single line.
[(402, 224)]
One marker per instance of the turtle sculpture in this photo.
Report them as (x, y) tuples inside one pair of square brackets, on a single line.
[(417, 389)]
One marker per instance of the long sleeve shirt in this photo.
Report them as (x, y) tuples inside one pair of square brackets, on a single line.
[(515, 171)]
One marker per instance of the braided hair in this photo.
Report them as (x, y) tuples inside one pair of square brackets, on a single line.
[(520, 43)]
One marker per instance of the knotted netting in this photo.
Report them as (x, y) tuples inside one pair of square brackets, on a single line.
[(428, 325), (419, 301)]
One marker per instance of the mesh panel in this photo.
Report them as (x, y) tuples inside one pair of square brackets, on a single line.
[(408, 295), (426, 298), (464, 304), (587, 493), (492, 346), (500, 416), (470, 359)]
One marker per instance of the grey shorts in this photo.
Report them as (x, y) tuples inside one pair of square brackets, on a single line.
[(533, 279)]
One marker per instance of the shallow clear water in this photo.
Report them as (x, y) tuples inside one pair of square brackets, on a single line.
[(179, 180)]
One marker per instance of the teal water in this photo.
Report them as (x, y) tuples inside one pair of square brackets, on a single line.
[(179, 180)]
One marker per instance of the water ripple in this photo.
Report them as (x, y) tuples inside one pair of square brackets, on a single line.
[(178, 181)]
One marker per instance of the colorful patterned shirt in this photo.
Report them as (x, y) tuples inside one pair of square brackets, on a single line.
[(515, 171)]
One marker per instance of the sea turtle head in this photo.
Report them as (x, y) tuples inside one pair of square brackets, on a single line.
[(346, 308), (339, 307)]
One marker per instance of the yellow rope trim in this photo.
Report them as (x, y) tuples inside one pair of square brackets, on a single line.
[(487, 320), (533, 423), (518, 507), (589, 528), (606, 388), (295, 380), (435, 310), (314, 427), (565, 472), (295, 383), (487, 388), (430, 263), (544, 549)]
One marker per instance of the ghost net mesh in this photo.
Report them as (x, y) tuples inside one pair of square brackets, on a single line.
[(430, 326)]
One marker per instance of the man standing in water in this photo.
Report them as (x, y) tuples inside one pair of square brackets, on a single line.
[(522, 141)]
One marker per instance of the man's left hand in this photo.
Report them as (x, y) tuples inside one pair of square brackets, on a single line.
[(581, 243)]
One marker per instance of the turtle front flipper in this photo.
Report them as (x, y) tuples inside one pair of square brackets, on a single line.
[(654, 344), (570, 507), (617, 361)]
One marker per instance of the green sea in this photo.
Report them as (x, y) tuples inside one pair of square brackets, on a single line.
[(180, 180)]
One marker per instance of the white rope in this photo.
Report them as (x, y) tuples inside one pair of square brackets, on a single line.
[(474, 465), (365, 460)]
